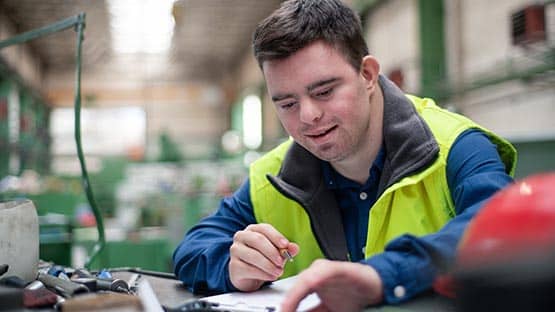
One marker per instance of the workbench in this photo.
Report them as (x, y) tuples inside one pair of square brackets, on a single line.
[(171, 293)]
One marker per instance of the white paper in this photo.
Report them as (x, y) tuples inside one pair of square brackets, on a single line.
[(267, 299)]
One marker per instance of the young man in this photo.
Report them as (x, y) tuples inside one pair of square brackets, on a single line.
[(379, 183)]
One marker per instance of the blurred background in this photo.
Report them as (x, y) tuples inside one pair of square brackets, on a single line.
[(175, 107)]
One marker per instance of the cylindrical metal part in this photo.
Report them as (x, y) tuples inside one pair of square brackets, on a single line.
[(19, 238), (112, 285)]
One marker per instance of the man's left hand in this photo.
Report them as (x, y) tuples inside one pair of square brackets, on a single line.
[(341, 286)]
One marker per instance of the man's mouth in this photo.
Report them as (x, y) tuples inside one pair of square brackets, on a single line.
[(320, 134)]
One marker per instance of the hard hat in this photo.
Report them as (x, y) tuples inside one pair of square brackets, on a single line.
[(506, 258), (517, 222)]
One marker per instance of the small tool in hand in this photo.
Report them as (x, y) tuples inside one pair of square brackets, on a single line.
[(285, 253)]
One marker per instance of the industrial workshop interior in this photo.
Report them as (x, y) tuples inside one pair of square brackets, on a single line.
[(125, 122)]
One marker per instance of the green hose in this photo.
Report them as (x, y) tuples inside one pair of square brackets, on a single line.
[(101, 242)]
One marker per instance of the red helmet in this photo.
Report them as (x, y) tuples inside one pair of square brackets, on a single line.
[(506, 258), (517, 222)]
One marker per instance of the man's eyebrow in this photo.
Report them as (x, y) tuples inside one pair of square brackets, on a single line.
[(279, 97), (321, 83)]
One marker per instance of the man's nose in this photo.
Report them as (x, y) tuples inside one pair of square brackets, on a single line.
[(310, 111)]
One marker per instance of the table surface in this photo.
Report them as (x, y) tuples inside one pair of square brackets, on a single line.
[(171, 293)]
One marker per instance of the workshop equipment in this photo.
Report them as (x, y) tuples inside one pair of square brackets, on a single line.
[(64, 287), (102, 281), (19, 238)]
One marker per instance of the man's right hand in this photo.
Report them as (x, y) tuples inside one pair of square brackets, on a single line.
[(255, 256)]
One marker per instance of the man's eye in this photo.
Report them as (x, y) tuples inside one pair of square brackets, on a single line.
[(287, 105), (324, 93)]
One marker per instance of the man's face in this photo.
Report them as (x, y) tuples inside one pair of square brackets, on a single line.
[(321, 100)]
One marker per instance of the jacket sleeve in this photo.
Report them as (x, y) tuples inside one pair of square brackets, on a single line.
[(409, 264), (201, 259)]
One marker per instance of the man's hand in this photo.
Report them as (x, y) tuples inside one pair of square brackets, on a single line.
[(255, 256), (341, 286)]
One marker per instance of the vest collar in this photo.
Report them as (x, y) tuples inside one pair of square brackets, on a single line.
[(409, 143), (301, 179), (409, 147)]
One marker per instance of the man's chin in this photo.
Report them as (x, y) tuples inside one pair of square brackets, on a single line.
[(326, 153)]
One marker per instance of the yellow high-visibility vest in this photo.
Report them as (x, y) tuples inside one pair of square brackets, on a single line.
[(417, 204)]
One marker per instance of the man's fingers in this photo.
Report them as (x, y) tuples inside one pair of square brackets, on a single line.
[(301, 289), (258, 241), (273, 235), (255, 259), (244, 276), (255, 256), (294, 297), (276, 240), (341, 286), (293, 249), (244, 269)]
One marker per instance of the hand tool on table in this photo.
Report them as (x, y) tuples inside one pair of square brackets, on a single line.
[(143, 272), (64, 288), (111, 284)]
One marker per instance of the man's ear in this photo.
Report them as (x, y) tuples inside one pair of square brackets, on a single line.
[(370, 70)]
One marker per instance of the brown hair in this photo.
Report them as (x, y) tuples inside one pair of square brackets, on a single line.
[(297, 23)]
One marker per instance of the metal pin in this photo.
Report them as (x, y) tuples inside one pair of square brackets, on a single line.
[(285, 253)]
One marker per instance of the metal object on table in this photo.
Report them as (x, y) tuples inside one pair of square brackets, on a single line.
[(144, 272), (133, 282), (148, 297), (170, 292), (65, 288), (19, 238), (116, 285), (102, 281)]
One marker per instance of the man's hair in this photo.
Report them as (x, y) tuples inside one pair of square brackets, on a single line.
[(298, 23)]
